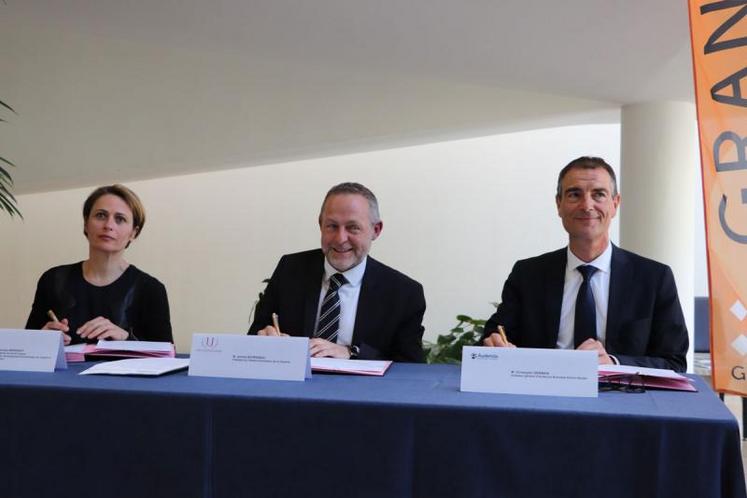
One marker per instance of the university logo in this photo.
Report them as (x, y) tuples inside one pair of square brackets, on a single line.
[(210, 342)]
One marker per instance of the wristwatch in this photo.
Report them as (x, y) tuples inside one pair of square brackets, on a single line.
[(354, 351)]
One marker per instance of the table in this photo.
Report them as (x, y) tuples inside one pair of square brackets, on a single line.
[(408, 434)]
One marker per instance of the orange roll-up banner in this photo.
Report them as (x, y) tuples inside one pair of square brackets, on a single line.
[(719, 43)]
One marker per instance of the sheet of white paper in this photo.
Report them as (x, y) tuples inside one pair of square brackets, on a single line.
[(31, 350), (138, 366), (549, 372), (350, 366), (163, 347), (250, 357)]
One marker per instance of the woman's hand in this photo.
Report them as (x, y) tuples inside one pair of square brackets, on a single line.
[(101, 328), (62, 326)]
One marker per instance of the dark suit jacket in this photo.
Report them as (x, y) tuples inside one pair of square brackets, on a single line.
[(388, 321), (645, 325)]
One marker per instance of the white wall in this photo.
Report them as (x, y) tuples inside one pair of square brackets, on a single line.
[(456, 216), (701, 258)]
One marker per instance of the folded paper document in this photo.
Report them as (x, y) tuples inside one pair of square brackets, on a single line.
[(656, 378), (120, 349), (355, 367), (75, 353)]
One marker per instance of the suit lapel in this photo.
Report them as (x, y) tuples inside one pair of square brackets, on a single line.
[(364, 314), (312, 286), (554, 295), (620, 279)]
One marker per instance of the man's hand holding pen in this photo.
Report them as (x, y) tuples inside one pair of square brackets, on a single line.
[(274, 329), (498, 339), (318, 348)]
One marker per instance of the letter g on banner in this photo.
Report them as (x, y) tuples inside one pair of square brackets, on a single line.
[(736, 237), (738, 372), (740, 164)]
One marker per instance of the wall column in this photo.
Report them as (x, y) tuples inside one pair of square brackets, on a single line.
[(659, 159)]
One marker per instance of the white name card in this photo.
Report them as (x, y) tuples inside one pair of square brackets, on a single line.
[(250, 357), (548, 372), (32, 350)]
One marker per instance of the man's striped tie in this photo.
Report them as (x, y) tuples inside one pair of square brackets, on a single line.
[(329, 316)]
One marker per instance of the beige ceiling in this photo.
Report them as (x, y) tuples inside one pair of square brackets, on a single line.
[(115, 90)]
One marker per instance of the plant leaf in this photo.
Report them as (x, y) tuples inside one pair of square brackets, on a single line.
[(6, 205), (7, 162), (7, 196), (3, 104)]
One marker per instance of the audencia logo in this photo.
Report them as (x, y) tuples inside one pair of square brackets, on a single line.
[(484, 356), (210, 342)]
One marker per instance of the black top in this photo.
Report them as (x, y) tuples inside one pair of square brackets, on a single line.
[(135, 302)]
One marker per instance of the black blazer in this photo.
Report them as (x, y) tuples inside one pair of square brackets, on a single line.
[(645, 324), (388, 321), (136, 302)]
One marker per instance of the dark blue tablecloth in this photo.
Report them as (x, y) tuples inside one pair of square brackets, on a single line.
[(408, 434)]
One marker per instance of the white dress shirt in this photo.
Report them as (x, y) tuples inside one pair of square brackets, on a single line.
[(600, 287), (348, 295)]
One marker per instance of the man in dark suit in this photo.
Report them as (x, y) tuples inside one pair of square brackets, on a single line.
[(592, 295), (349, 304)]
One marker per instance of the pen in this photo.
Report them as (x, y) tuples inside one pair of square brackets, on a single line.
[(275, 322), (502, 331), (52, 316)]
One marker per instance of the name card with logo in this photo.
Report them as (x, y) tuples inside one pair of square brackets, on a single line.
[(32, 350), (250, 357), (548, 372)]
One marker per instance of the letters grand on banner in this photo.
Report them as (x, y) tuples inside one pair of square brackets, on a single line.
[(719, 45)]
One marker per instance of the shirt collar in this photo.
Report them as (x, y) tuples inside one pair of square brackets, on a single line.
[(603, 262), (354, 275)]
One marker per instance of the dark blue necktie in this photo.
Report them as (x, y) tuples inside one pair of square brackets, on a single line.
[(585, 324), (329, 315)]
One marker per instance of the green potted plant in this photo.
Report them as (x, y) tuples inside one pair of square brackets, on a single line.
[(448, 347), (7, 201)]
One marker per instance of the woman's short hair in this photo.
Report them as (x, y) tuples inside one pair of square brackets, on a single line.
[(127, 195)]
